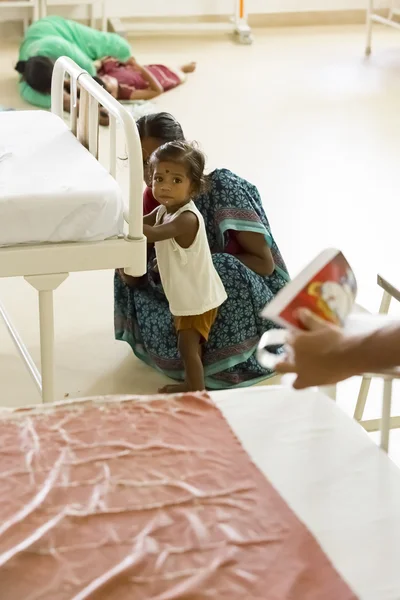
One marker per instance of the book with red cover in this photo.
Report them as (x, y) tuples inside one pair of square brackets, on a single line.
[(327, 287)]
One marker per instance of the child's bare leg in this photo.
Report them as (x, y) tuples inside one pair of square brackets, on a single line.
[(189, 67), (189, 344)]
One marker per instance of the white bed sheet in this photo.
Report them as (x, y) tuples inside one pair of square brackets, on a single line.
[(337, 481), (51, 188)]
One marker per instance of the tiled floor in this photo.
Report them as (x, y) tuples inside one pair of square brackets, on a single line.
[(300, 113)]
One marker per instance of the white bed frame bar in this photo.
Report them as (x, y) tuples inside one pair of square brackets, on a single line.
[(375, 18), (46, 266), (236, 24)]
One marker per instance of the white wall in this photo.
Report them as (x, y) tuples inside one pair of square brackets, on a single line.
[(131, 8), (211, 7), (198, 7)]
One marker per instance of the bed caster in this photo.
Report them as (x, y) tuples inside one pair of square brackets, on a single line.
[(368, 51), (245, 38), (244, 35)]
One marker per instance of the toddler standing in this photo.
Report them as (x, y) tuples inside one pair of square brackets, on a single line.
[(191, 283)]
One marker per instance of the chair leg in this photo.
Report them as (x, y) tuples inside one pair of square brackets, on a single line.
[(385, 303), (386, 411), (366, 381), (330, 391), (362, 399)]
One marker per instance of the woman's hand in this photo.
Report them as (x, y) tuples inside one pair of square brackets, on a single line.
[(320, 356)]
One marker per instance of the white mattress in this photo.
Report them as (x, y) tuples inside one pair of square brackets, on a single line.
[(51, 188)]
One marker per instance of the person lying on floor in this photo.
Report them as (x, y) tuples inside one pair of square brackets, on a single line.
[(50, 38), (131, 81)]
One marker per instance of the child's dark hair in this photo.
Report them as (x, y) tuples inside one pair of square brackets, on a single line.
[(186, 154)]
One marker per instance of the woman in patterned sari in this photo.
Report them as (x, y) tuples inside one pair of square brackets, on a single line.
[(246, 258)]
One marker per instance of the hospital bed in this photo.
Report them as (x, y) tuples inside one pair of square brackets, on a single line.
[(256, 494), (61, 211)]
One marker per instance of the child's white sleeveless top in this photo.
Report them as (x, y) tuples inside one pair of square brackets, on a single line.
[(190, 281)]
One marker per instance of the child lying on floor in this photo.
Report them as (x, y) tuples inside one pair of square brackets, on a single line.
[(191, 284), (131, 81)]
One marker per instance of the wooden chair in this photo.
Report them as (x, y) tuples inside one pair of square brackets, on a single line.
[(386, 422)]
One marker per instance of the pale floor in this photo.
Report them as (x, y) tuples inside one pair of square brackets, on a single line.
[(300, 113)]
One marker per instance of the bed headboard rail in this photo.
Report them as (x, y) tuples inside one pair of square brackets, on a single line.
[(92, 96)]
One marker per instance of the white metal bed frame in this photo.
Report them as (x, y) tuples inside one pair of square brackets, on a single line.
[(46, 266), (91, 4), (373, 17), (236, 24)]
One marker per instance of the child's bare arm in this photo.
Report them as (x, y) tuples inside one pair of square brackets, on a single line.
[(152, 81), (144, 94), (150, 219), (183, 229)]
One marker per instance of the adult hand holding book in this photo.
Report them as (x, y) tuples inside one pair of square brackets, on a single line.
[(327, 339)]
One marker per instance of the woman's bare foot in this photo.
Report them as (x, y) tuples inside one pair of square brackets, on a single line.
[(175, 388), (189, 68)]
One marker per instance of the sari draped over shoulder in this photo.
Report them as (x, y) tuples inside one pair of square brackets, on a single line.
[(142, 316)]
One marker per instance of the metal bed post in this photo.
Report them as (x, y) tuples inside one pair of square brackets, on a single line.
[(242, 28), (45, 285)]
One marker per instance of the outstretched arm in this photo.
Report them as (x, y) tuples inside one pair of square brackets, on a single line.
[(183, 229), (150, 219), (140, 94), (325, 355), (149, 77)]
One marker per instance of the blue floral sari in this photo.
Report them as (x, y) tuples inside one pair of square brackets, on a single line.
[(143, 319)]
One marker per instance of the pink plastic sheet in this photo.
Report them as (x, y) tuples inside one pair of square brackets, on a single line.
[(146, 500)]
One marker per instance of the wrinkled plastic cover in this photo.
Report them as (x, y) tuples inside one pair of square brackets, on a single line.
[(146, 499)]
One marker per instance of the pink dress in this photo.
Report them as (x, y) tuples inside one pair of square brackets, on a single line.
[(131, 79)]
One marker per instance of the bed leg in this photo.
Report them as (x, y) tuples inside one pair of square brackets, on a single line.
[(46, 316), (45, 285)]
